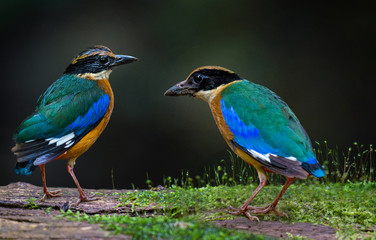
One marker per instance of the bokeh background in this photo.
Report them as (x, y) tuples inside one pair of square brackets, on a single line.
[(319, 57)]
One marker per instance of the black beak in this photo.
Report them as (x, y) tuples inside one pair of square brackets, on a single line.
[(123, 59), (181, 88)]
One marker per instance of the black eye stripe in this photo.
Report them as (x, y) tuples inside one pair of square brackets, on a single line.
[(90, 64), (207, 79)]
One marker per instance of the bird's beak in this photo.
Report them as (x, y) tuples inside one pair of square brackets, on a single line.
[(123, 59), (181, 88)]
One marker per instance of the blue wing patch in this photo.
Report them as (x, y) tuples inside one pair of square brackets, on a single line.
[(93, 115)]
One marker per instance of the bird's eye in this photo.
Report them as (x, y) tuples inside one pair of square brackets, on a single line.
[(197, 78), (104, 60)]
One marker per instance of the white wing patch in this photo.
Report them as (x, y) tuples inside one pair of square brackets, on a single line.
[(66, 139), (259, 155), (292, 158), (68, 144), (43, 159), (266, 157)]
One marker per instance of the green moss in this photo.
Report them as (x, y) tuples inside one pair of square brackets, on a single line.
[(178, 201), (349, 207), (161, 227), (296, 237)]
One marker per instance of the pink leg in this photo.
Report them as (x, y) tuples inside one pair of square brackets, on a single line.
[(272, 206), (47, 194), (244, 208), (83, 197)]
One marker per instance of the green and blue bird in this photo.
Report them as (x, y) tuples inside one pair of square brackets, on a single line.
[(257, 125), (69, 116)]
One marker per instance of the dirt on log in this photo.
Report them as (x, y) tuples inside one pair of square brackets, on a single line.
[(18, 221)]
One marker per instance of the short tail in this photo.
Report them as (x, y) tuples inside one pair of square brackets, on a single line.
[(25, 168), (313, 167), (29, 153)]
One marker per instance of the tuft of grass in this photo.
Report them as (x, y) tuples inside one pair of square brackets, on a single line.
[(48, 210), (31, 203), (356, 164), (161, 227)]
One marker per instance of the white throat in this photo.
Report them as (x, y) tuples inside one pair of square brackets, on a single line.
[(207, 96), (105, 74)]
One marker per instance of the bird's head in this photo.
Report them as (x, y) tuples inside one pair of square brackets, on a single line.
[(96, 63), (202, 81)]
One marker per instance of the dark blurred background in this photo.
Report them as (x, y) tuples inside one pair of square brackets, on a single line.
[(319, 57)]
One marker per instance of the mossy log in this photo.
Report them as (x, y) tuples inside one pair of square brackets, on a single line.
[(24, 216)]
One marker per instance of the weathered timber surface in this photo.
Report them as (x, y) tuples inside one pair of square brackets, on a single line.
[(17, 221), (17, 195), (20, 222)]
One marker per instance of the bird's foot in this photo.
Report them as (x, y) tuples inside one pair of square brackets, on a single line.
[(84, 198), (48, 194), (241, 211), (266, 209)]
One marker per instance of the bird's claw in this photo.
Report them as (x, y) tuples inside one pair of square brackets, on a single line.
[(84, 199), (266, 209), (52, 194), (240, 211)]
